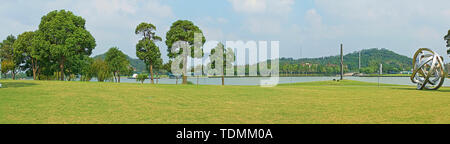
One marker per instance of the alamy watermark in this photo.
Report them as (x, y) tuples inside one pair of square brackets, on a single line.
[(249, 54)]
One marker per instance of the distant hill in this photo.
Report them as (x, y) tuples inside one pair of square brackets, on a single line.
[(138, 64), (370, 61)]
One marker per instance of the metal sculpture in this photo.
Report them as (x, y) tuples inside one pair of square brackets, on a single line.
[(428, 70)]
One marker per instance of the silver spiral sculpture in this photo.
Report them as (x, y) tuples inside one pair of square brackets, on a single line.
[(428, 70)]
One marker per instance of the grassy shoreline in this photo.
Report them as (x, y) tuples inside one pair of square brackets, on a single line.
[(314, 102)]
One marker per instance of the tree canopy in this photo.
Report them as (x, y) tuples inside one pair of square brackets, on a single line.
[(218, 56), (184, 31), (10, 60), (117, 62), (67, 36), (147, 30), (146, 49)]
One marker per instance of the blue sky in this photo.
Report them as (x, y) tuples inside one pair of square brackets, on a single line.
[(305, 28)]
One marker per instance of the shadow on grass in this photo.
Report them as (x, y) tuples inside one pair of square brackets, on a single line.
[(16, 84), (412, 88)]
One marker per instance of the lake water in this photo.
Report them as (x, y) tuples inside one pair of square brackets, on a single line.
[(283, 80)]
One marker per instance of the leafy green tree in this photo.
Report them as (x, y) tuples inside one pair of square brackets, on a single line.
[(226, 52), (102, 71), (7, 54), (167, 66), (141, 78), (183, 30), (117, 62), (32, 49), (7, 65), (147, 30), (86, 71), (67, 36), (22, 47), (146, 49)]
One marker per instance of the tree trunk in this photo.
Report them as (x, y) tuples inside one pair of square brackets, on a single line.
[(185, 70), (61, 66), (39, 74), (14, 74), (157, 78), (118, 77), (34, 69), (223, 80), (151, 74), (115, 77)]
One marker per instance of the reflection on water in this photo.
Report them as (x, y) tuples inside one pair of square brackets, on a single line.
[(256, 80)]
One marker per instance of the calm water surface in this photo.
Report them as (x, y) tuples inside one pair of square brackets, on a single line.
[(283, 80)]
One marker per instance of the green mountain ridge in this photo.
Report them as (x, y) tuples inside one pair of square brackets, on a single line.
[(370, 62)]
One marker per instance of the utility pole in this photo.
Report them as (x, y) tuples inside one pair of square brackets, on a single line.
[(359, 62), (342, 62), (381, 69), (380, 73)]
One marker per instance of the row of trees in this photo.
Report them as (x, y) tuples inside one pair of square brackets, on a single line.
[(181, 30), (56, 49), (61, 47)]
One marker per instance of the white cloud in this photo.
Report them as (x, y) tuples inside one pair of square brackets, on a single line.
[(249, 6), (113, 6), (263, 25), (263, 16), (278, 7), (156, 8)]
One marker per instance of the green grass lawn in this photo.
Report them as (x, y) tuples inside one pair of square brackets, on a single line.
[(315, 102)]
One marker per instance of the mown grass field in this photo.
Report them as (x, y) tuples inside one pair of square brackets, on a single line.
[(316, 102)]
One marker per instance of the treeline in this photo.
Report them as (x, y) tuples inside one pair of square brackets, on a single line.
[(60, 49), (370, 63)]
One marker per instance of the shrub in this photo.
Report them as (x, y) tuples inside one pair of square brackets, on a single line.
[(141, 78)]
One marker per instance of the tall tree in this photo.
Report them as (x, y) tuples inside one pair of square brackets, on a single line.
[(147, 51), (226, 52), (67, 36), (86, 70), (22, 48), (117, 62), (183, 30), (33, 49), (12, 60), (102, 71), (146, 48)]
